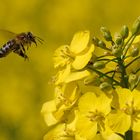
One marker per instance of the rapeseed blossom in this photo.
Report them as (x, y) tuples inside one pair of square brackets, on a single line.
[(71, 59), (127, 108), (96, 97)]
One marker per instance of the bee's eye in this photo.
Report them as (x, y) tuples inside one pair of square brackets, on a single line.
[(29, 34)]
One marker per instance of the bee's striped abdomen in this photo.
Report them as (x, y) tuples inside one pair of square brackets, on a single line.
[(7, 48)]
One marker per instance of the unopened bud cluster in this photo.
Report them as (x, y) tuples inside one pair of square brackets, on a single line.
[(122, 54)]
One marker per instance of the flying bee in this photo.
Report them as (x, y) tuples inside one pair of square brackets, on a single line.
[(17, 44)]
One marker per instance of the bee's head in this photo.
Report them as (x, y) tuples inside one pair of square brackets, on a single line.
[(31, 37)]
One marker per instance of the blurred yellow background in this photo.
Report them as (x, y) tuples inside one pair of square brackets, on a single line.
[(24, 85)]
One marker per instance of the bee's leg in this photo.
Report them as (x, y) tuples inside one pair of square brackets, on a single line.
[(28, 46), (21, 53), (22, 47)]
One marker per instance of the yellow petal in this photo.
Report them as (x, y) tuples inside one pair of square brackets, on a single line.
[(124, 96), (92, 102), (86, 128), (136, 125), (55, 133), (77, 137), (48, 107), (82, 60), (79, 42), (60, 57), (77, 76), (72, 118), (68, 91), (62, 75), (111, 137), (47, 111), (71, 92), (114, 137), (50, 119), (136, 98), (117, 123)]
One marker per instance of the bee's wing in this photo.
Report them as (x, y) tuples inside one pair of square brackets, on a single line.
[(7, 34)]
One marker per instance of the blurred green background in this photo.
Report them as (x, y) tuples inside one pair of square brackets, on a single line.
[(24, 85)]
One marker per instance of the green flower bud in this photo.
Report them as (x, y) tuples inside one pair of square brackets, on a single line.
[(116, 51), (102, 44), (94, 58), (133, 80), (99, 65), (107, 53), (124, 32), (105, 86), (134, 51), (95, 41), (136, 27), (92, 79), (118, 39), (106, 33)]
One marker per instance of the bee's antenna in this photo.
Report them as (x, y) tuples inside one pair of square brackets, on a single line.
[(39, 39)]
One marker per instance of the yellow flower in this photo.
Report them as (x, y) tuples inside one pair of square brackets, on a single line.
[(77, 54), (64, 131), (128, 109), (56, 110), (72, 59), (93, 110)]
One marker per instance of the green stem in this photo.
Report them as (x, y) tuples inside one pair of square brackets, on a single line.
[(103, 74), (137, 70), (129, 135), (127, 41), (132, 61), (126, 47), (124, 78)]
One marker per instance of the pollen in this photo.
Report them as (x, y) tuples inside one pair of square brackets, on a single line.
[(64, 100), (66, 53), (130, 109), (99, 117)]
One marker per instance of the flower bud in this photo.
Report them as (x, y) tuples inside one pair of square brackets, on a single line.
[(101, 44), (99, 65), (134, 51), (94, 57), (118, 39), (107, 53), (106, 33), (105, 86), (133, 80), (95, 41), (136, 27), (92, 79), (116, 51), (124, 32)]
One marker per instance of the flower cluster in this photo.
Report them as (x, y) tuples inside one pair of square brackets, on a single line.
[(96, 87)]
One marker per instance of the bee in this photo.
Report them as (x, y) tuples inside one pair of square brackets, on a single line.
[(17, 44)]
